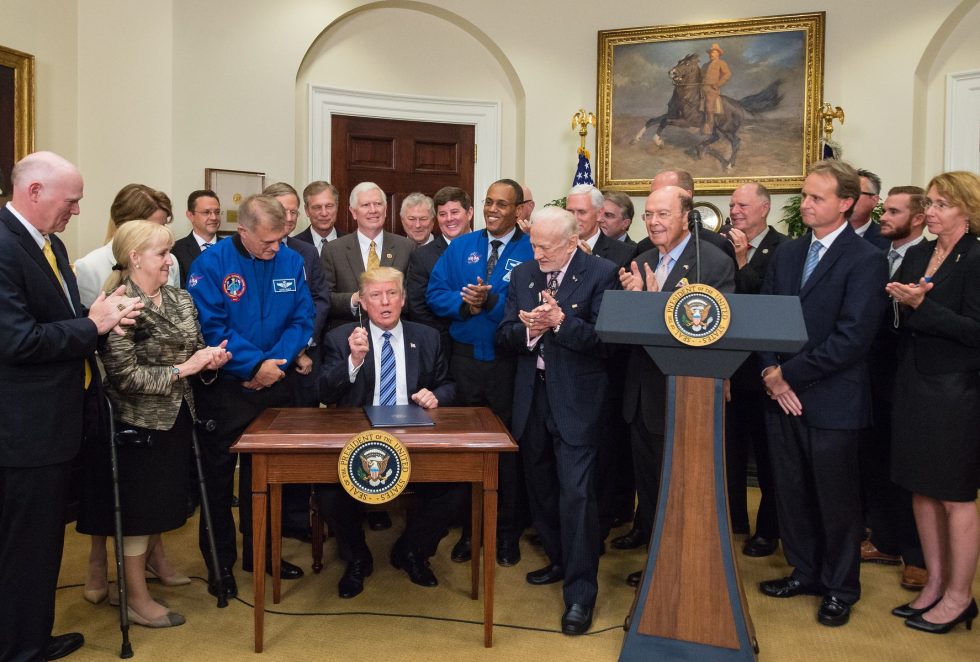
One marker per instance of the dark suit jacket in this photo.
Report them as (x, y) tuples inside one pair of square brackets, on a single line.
[(43, 346), (343, 265), (873, 234), (944, 331), (425, 367), (748, 280), (317, 282), (646, 386), (617, 252), (420, 266), (574, 358), (307, 235), (843, 302), (185, 251)]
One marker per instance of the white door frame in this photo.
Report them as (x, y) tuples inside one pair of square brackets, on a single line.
[(485, 115), (962, 122)]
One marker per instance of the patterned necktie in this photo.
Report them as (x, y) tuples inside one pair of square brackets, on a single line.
[(812, 258), (373, 260), (553, 283), (205, 246), (663, 270), (386, 394), (893, 259), (53, 263), (494, 256)]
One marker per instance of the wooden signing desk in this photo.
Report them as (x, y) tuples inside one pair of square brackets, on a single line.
[(303, 446)]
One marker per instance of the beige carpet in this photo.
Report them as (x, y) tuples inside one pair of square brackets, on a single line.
[(395, 620)]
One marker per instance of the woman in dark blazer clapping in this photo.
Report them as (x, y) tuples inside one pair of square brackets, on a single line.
[(936, 415), (146, 380)]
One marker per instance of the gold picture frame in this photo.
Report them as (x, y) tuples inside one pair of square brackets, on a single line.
[(766, 122), (232, 187), (16, 113)]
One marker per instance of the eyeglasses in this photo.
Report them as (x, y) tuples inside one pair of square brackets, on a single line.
[(292, 213), (663, 215), (869, 194), (941, 205), (209, 212), (418, 219)]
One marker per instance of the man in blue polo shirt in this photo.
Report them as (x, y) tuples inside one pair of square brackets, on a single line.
[(469, 286)]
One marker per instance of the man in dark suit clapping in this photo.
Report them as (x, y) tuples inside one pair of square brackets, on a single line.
[(559, 392), (47, 359), (823, 393), (754, 243)]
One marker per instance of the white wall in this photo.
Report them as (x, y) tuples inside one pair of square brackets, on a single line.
[(235, 67), (47, 30)]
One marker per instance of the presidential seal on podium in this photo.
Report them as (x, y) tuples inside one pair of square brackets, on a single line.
[(374, 467), (697, 315)]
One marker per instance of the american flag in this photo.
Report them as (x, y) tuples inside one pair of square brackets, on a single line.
[(583, 174)]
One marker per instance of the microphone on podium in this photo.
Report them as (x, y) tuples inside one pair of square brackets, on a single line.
[(694, 225)]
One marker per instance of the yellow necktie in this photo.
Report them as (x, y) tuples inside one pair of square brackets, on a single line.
[(49, 256), (373, 260)]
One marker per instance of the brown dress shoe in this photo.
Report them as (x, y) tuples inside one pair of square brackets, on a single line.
[(871, 554), (914, 578)]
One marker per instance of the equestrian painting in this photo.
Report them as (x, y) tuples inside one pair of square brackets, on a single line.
[(727, 106)]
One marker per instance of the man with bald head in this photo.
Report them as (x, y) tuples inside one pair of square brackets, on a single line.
[(666, 267), (683, 180), (755, 243), (47, 358), (559, 396)]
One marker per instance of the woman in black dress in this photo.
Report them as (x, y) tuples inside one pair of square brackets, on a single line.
[(146, 380), (936, 415)]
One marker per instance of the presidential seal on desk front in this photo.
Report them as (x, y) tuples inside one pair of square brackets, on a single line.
[(374, 467)]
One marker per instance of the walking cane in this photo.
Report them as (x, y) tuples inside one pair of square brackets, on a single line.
[(206, 514), (126, 651)]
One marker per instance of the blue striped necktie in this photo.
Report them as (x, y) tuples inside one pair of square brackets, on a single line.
[(386, 395), (812, 258)]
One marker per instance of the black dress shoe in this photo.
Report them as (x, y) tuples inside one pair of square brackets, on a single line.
[(631, 540), (416, 566), (227, 584), (462, 550), (379, 520), (352, 583), (546, 575), (758, 546), (286, 569), (633, 579), (577, 619), (62, 645), (908, 611), (787, 587), (833, 612), (966, 616), (508, 553)]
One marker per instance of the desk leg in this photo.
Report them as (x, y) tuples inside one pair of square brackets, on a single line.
[(275, 505), (260, 483), (476, 537), (489, 558)]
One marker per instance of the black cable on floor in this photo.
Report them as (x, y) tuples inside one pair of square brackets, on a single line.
[(444, 619)]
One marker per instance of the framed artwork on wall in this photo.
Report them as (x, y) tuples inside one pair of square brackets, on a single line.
[(730, 102), (232, 187), (16, 113)]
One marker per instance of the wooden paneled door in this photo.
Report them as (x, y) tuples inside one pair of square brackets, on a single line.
[(399, 156)]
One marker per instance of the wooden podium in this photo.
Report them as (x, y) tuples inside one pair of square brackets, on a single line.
[(690, 604), (303, 446)]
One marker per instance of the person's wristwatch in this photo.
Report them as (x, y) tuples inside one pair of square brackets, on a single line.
[(175, 371)]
